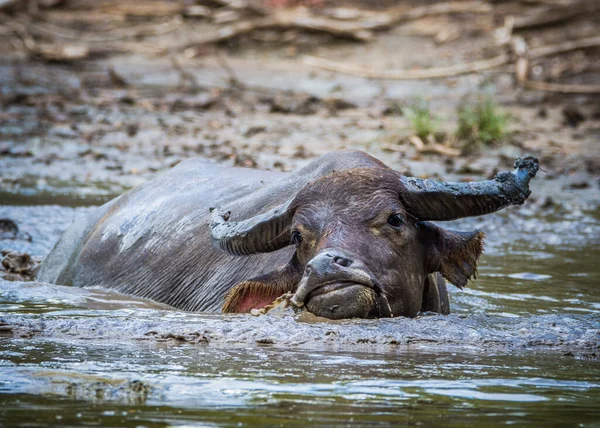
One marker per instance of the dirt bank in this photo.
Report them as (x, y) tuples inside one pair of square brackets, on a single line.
[(81, 131)]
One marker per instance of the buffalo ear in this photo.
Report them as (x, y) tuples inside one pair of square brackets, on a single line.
[(262, 290), (454, 254)]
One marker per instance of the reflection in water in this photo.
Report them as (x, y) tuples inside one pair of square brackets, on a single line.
[(522, 346), (132, 384)]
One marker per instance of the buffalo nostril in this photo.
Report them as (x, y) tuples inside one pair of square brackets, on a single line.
[(342, 261)]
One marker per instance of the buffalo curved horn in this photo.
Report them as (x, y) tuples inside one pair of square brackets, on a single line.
[(260, 234), (434, 200)]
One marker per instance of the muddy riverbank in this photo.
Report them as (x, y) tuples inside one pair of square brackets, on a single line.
[(81, 132)]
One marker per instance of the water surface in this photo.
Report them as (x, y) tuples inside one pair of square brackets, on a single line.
[(521, 347)]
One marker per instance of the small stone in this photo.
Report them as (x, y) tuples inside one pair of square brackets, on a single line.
[(254, 130), (572, 116), (8, 229), (19, 266)]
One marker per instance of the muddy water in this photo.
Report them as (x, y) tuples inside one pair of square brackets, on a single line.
[(521, 346)]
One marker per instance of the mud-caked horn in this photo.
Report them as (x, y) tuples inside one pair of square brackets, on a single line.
[(435, 200), (262, 233)]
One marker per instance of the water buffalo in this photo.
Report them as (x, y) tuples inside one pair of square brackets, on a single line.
[(348, 235)]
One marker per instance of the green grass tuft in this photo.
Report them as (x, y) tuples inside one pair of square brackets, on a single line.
[(422, 122), (481, 124)]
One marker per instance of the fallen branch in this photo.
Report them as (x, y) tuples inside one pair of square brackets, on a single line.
[(360, 29), (571, 45), (283, 21), (455, 70), (562, 88), (67, 33), (551, 2), (432, 147), (96, 21), (428, 73), (306, 21), (141, 8), (522, 65), (68, 51), (374, 21), (439, 149), (61, 53), (399, 15), (417, 142), (20, 30), (554, 15)]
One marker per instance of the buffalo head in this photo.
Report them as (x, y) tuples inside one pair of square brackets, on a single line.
[(364, 243)]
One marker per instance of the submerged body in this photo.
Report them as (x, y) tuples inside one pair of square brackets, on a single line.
[(154, 241), (359, 249)]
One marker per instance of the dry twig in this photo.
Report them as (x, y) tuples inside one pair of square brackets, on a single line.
[(570, 45), (282, 20), (360, 28), (185, 77), (519, 48), (62, 52), (142, 8), (562, 88), (20, 30), (115, 35), (554, 15), (231, 76), (550, 2), (428, 73), (399, 15), (432, 147), (440, 149), (522, 65)]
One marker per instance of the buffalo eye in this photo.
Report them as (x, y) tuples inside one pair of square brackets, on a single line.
[(395, 220), (296, 237)]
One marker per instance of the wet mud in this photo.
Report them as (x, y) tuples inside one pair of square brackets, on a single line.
[(536, 290), (72, 135), (481, 332)]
